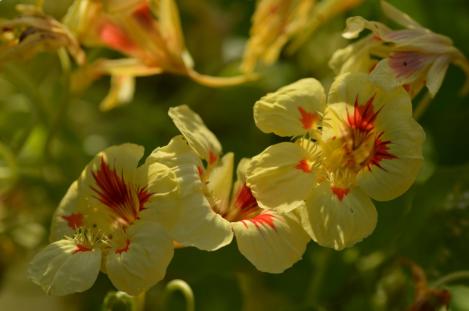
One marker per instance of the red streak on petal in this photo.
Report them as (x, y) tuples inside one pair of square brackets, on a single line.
[(307, 118), (372, 67), (113, 192), (340, 193), (304, 166), (245, 201), (380, 152), (81, 248), (200, 171), (264, 219), (74, 220), (143, 197), (123, 249), (407, 87), (363, 117), (143, 15), (115, 37), (212, 157)]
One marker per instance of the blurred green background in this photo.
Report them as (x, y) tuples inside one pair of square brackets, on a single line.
[(47, 136)]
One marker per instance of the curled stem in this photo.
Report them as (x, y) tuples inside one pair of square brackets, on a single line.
[(184, 288)]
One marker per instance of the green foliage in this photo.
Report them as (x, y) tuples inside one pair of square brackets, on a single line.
[(48, 135)]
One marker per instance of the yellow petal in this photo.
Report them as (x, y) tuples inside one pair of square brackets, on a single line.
[(436, 74), (281, 177), (142, 262), (197, 225), (199, 137), (68, 215), (338, 218), (121, 92), (170, 26), (272, 242), (355, 57), (183, 162), (356, 24), (62, 268), (406, 137), (292, 110), (220, 180)]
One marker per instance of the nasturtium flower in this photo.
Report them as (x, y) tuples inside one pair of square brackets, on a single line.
[(147, 32), (275, 22), (413, 57), (270, 240), (362, 143), (32, 32), (113, 219)]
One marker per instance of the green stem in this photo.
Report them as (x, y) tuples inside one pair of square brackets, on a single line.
[(185, 289), (458, 275)]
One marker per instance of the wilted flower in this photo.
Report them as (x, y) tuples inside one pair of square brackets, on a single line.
[(413, 57), (275, 22), (272, 241), (148, 32), (33, 32), (363, 143)]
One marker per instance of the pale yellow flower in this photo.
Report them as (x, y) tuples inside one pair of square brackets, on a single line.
[(363, 143), (113, 219), (270, 240), (413, 57)]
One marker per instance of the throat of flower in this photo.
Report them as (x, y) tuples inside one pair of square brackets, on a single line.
[(122, 198), (243, 205)]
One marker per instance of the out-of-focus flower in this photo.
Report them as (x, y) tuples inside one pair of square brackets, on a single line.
[(148, 32), (275, 22), (113, 219), (33, 32), (363, 143), (270, 240), (413, 57)]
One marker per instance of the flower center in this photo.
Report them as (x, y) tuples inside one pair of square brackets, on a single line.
[(363, 145)]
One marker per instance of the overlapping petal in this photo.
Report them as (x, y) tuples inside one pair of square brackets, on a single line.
[(63, 268), (272, 242), (198, 225), (282, 176), (142, 262), (199, 137), (293, 110), (338, 218)]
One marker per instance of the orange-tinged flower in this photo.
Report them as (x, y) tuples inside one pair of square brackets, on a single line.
[(147, 32), (363, 143), (276, 22), (230, 209), (413, 57)]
